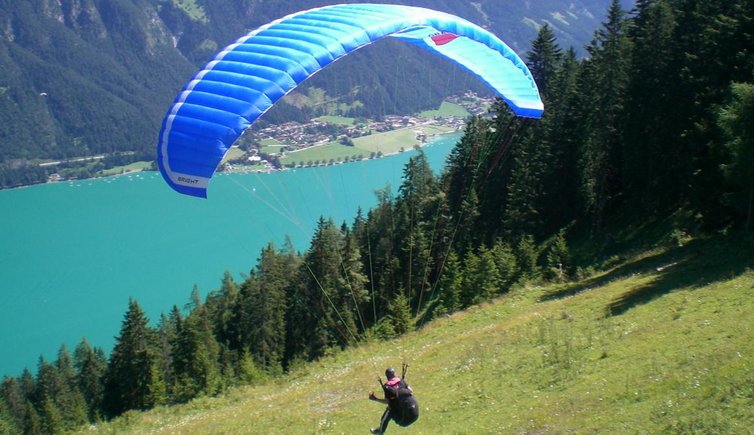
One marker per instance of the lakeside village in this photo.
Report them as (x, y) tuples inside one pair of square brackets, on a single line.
[(293, 137), (252, 155)]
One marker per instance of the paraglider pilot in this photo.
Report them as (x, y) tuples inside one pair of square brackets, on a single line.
[(399, 398)]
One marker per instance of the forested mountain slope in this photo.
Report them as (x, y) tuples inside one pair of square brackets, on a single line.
[(84, 77)]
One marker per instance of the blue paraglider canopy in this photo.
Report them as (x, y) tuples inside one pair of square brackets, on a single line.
[(246, 78)]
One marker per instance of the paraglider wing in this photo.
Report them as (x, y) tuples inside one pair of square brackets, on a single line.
[(246, 78)]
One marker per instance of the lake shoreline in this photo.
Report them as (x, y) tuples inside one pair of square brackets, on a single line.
[(244, 169), (430, 139)]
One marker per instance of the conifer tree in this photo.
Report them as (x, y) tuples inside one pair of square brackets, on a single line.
[(196, 354), (469, 288), (482, 277), (463, 166), (133, 379), (27, 384), (737, 123), (166, 338), (651, 153), (248, 371), (485, 197), (7, 426), (324, 262), (526, 258), (505, 260), (466, 230), (416, 209), (70, 401), (557, 257), (318, 314), (361, 235), (449, 286), (714, 43), (14, 402), (59, 401), (605, 80), (377, 244), (565, 128), (543, 60), (526, 189), (262, 309), (90, 364), (353, 281), (49, 384), (492, 283), (50, 417), (400, 314), (32, 420), (220, 305), (64, 364), (299, 321)]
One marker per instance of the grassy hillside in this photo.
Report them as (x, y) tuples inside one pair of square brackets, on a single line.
[(661, 341)]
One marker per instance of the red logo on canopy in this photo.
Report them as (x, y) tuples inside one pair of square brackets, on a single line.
[(443, 38)]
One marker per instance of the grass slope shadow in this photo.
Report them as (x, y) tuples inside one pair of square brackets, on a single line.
[(698, 263)]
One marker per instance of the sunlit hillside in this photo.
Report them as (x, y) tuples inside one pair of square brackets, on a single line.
[(661, 341)]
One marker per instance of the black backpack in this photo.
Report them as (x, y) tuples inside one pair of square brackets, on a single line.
[(406, 410)]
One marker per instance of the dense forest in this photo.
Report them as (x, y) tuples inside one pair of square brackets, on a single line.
[(656, 121), (95, 77)]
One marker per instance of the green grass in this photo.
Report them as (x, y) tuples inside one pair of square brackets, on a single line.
[(446, 109), (317, 98), (271, 149), (386, 142), (662, 342), (192, 9), (337, 120), (323, 153), (268, 141), (133, 167), (271, 146), (233, 153), (392, 141)]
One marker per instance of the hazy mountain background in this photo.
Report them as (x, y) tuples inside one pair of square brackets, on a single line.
[(84, 77)]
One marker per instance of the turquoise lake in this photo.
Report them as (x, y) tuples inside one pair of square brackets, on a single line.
[(73, 253)]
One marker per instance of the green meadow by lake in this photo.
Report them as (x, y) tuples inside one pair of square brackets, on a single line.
[(73, 253)]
